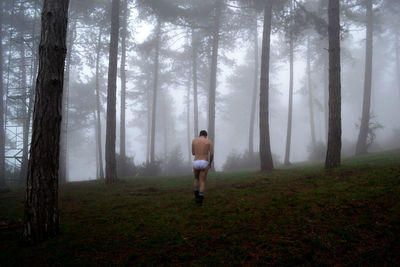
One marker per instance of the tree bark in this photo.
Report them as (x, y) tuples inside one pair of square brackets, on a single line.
[(398, 60), (194, 73), (290, 105), (2, 133), (25, 121), (97, 145), (213, 76), (362, 146), (111, 168), (335, 127), (189, 143), (326, 96), (98, 109), (310, 94), (155, 89), (123, 87), (265, 145), (65, 106), (41, 205), (255, 87)]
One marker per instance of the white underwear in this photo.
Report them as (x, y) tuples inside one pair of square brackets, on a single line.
[(200, 165)]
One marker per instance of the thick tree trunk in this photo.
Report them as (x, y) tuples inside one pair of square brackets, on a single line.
[(2, 134), (213, 74), (98, 109), (194, 73), (310, 94), (290, 105), (155, 89), (41, 206), (111, 168), (123, 87), (335, 123), (65, 106), (362, 145), (255, 87), (265, 145)]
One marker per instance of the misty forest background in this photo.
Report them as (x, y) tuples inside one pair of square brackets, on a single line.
[(166, 71)]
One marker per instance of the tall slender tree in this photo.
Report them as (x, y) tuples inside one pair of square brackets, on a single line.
[(111, 166), (98, 108), (335, 120), (255, 87), (362, 145), (397, 47), (41, 219), (155, 89), (195, 83), (2, 134), (265, 145), (214, 69), (123, 86), (290, 105), (310, 94)]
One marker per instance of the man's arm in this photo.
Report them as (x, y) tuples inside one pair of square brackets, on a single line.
[(193, 147)]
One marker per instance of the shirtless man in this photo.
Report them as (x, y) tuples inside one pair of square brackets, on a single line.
[(203, 151)]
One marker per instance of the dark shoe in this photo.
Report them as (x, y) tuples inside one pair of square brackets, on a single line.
[(196, 196)]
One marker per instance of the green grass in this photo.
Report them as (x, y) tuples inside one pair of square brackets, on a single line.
[(302, 215)]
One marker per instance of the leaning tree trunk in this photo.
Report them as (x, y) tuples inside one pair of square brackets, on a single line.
[(2, 134), (111, 166), (290, 112), (65, 106), (335, 127), (362, 145), (188, 85), (41, 205), (255, 87), (265, 145), (310, 95), (155, 89), (213, 74), (98, 109), (122, 150), (194, 73)]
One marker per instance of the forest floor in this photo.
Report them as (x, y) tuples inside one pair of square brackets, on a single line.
[(302, 215)]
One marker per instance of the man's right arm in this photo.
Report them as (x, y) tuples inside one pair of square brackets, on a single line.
[(193, 147), (211, 154)]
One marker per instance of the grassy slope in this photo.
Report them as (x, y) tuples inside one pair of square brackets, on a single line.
[(300, 215)]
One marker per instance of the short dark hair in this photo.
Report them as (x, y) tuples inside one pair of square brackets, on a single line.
[(203, 133)]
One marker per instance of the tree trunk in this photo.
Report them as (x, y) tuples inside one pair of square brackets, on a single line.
[(398, 60), (123, 88), (194, 73), (148, 135), (97, 145), (155, 89), (2, 133), (213, 76), (335, 127), (326, 96), (255, 87), (310, 94), (65, 106), (41, 205), (189, 143), (98, 109), (111, 168), (362, 145), (265, 146), (25, 121), (290, 105)]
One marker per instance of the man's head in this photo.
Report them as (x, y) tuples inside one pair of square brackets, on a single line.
[(203, 133)]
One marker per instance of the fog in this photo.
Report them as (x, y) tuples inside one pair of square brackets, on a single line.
[(90, 22)]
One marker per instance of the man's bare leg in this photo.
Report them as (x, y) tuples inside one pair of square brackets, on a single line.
[(203, 178), (196, 184)]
